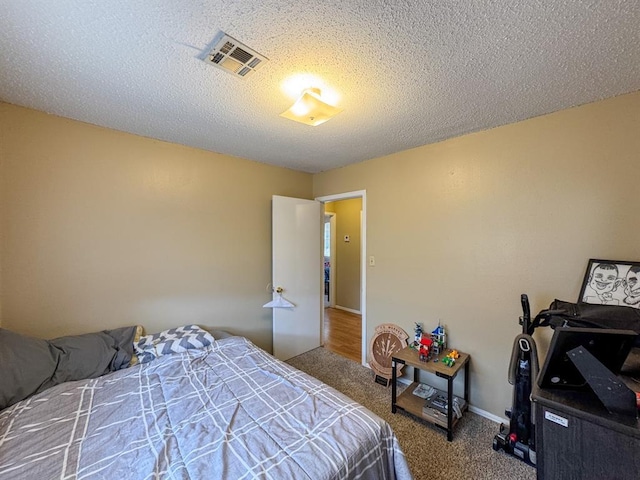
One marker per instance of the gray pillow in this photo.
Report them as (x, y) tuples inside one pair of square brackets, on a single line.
[(30, 365), (27, 366), (93, 354), (220, 334)]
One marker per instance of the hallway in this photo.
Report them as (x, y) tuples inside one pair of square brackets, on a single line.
[(342, 333)]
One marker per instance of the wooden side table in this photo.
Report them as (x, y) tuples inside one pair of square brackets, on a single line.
[(413, 404)]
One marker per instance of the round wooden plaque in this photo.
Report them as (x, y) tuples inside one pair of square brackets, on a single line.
[(387, 340)]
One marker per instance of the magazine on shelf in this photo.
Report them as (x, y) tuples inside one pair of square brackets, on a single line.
[(438, 401), (423, 390)]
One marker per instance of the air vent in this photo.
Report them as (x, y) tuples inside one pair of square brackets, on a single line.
[(234, 57)]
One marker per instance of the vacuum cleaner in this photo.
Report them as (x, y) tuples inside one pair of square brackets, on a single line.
[(519, 439)]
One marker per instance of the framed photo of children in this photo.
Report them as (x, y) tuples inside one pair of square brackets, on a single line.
[(611, 282)]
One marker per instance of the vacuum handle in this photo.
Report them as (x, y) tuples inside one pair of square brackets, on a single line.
[(526, 314), (524, 300)]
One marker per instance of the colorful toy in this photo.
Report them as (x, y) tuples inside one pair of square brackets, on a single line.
[(425, 349), (439, 339), (430, 345), (450, 359), (418, 334)]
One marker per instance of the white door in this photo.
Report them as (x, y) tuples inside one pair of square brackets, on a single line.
[(297, 268)]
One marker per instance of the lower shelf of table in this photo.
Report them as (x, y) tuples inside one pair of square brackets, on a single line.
[(413, 404)]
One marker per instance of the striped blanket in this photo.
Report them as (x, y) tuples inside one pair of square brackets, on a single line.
[(228, 411)]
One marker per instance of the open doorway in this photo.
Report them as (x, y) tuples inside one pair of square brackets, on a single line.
[(329, 245), (344, 244)]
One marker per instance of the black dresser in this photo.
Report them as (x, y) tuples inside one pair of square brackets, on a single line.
[(577, 438)]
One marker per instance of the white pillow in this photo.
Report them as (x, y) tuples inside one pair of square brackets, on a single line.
[(174, 340)]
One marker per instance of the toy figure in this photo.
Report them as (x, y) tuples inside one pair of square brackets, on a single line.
[(418, 335), (450, 359), (425, 349), (439, 339)]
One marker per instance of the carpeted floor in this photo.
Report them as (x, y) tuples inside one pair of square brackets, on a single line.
[(430, 456)]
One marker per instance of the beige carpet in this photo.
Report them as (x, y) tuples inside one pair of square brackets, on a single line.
[(430, 456)]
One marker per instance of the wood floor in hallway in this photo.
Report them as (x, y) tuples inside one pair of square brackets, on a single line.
[(342, 333)]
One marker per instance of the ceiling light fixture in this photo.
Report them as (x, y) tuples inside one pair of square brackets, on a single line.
[(310, 109)]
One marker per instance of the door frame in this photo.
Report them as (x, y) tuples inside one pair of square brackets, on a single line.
[(363, 256)]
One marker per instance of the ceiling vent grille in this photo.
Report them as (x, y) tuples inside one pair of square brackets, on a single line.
[(234, 57)]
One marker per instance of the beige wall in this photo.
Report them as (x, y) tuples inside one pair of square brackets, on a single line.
[(102, 229), (461, 228), (347, 253)]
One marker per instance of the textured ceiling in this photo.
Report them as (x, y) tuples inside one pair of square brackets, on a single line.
[(409, 72)]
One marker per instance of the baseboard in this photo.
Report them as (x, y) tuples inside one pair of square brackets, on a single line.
[(350, 310), (476, 410), (488, 415)]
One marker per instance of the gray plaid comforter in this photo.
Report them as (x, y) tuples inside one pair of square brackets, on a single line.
[(227, 411)]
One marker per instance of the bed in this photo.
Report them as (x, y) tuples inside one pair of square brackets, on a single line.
[(228, 410)]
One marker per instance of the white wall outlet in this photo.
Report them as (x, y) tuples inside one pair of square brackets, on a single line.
[(372, 261)]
